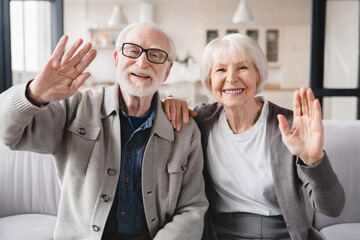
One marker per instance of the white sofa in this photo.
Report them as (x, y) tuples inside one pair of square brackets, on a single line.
[(30, 191), (342, 144), (30, 194)]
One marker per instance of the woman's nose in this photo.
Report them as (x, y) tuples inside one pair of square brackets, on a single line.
[(232, 76)]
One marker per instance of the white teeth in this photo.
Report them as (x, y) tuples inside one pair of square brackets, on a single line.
[(234, 91)]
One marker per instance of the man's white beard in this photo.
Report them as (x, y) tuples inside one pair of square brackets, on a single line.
[(138, 88)]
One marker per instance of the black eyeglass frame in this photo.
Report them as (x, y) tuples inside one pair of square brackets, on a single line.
[(146, 52)]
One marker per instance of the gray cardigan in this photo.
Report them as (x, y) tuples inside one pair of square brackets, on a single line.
[(83, 134), (289, 173)]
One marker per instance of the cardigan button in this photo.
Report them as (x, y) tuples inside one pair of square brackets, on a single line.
[(111, 171), (95, 228), (104, 198), (184, 167), (82, 131)]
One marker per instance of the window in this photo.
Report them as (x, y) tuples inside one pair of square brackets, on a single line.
[(335, 58), (230, 31), (35, 28), (254, 34), (272, 42), (211, 35), (30, 28)]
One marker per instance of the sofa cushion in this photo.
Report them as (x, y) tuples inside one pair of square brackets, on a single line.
[(344, 231), (27, 226), (342, 138), (28, 183)]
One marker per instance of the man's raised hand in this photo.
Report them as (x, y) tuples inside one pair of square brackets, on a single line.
[(62, 76)]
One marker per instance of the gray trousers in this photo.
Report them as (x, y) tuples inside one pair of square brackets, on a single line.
[(235, 226)]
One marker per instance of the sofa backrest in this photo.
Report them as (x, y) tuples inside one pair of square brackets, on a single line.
[(342, 145), (28, 183)]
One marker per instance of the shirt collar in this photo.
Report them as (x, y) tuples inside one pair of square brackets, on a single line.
[(153, 108), (161, 126), (110, 100)]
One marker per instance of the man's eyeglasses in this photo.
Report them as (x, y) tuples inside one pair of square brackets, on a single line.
[(154, 55)]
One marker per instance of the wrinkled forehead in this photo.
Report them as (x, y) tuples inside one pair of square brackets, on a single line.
[(147, 37), (227, 52)]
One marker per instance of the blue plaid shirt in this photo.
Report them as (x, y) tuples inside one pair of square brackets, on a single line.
[(127, 216)]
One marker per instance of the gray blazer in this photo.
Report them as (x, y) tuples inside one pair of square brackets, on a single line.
[(290, 174), (83, 134)]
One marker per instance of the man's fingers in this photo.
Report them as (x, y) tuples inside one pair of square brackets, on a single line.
[(68, 54), (86, 61), (60, 47), (81, 54), (79, 81)]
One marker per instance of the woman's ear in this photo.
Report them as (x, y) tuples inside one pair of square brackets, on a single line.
[(210, 82), (258, 82)]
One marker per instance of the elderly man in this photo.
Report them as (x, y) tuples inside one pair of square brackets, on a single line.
[(125, 173)]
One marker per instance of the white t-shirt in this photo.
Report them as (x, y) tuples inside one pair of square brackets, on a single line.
[(240, 168)]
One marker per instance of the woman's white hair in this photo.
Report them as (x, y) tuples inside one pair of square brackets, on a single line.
[(237, 47), (122, 34)]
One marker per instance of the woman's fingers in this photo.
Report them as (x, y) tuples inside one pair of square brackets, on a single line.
[(177, 109), (317, 110), (167, 109), (283, 126), (177, 122), (310, 98), (185, 113), (297, 104), (304, 102), (174, 112), (192, 113)]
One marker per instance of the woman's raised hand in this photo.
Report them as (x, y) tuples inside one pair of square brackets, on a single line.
[(306, 139), (175, 108), (62, 76)]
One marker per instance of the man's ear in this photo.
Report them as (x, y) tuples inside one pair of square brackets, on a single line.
[(116, 58), (168, 71)]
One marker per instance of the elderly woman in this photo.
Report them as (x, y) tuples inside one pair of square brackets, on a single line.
[(255, 166)]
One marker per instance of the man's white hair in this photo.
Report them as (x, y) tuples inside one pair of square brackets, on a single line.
[(122, 34)]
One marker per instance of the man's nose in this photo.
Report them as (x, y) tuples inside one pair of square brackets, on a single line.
[(142, 61)]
